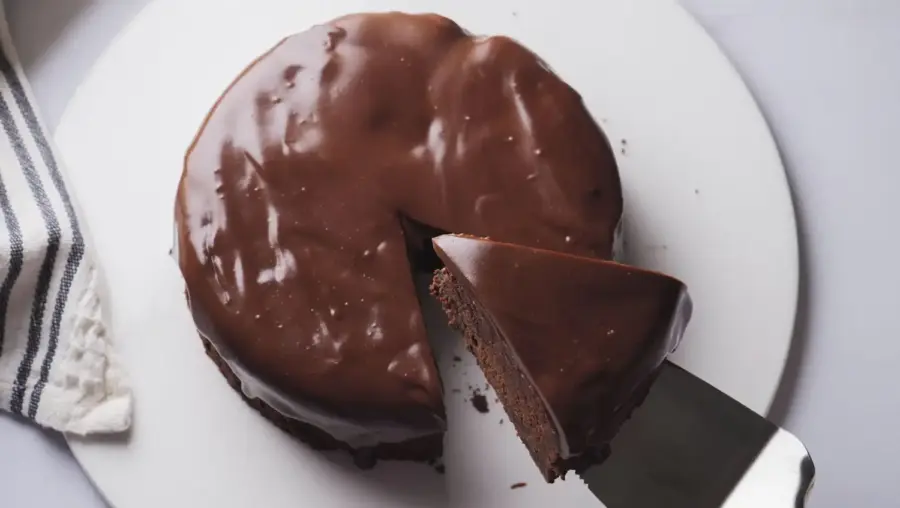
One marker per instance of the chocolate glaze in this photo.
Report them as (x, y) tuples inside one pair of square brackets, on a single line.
[(588, 332), (331, 156)]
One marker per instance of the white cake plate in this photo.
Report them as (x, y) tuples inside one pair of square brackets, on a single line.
[(706, 200)]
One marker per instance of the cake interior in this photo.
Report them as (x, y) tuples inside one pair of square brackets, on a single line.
[(523, 403)]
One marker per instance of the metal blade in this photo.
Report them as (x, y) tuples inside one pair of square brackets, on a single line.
[(691, 446)]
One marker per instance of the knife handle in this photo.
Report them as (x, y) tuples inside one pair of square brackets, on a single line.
[(782, 476)]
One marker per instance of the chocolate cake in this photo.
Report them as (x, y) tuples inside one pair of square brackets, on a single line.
[(312, 189), (570, 344)]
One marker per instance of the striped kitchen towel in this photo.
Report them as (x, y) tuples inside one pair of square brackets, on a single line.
[(57, 363)]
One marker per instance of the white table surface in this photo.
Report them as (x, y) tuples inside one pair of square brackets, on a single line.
[(827, 76)]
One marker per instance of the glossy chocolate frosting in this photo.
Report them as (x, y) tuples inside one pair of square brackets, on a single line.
[(326, 158), (588, 332)]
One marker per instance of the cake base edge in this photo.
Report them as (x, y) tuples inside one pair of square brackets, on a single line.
[(425, 449)]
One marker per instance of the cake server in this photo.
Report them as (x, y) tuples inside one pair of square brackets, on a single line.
[(691, 446)]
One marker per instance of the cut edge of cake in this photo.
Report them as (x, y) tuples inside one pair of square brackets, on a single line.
[(527, 407)]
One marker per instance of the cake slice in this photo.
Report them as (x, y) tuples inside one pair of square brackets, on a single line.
[(570, 344)]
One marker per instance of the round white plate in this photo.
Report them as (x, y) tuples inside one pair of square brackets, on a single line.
[(706, 200)]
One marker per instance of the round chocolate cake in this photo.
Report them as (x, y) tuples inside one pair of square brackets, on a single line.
[(313, 188)]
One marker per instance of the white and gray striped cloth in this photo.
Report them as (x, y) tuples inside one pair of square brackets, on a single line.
[(57, 365)]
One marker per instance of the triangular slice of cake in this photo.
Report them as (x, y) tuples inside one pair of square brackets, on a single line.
[(571, 345)]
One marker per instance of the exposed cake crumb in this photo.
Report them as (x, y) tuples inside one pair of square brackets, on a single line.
[(518, 485), (479, 402)]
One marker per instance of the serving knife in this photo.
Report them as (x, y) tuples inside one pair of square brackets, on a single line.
[(691, 446)]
